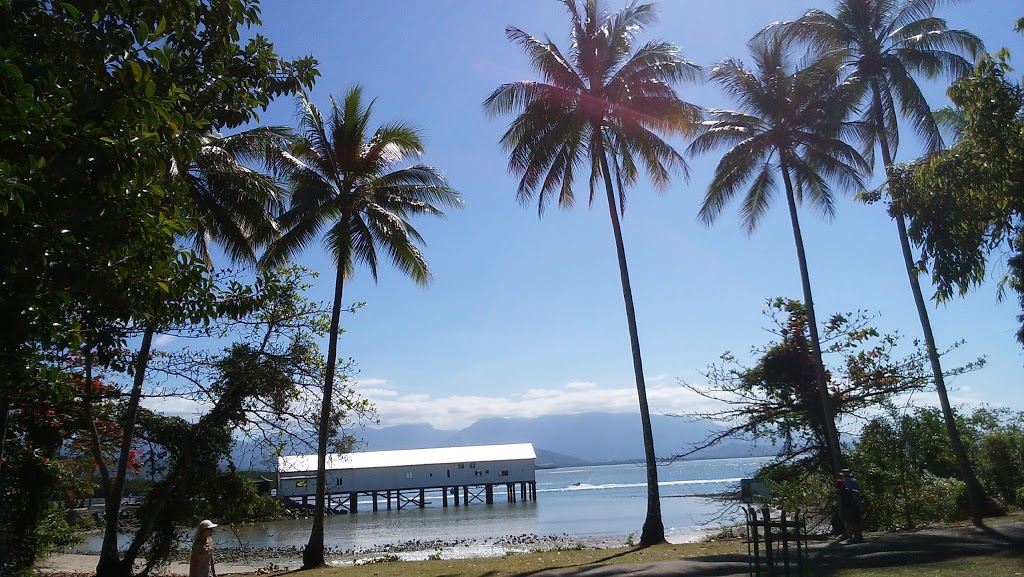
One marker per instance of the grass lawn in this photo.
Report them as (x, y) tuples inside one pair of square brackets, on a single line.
[(999, 565), (519, 563), (995, 566)]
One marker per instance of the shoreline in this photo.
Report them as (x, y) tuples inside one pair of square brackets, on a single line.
[(239, 560)]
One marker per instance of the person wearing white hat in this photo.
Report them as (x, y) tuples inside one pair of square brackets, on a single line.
[(201, 562)]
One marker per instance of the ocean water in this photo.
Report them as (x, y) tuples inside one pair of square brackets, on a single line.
[(607, 502)]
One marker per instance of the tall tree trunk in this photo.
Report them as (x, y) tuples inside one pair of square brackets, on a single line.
[(653, 531), (313, 554), (980, 504), (110, 564), (828, 412)]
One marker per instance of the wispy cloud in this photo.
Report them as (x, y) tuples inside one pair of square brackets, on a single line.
[(458, 411), (161, 341)]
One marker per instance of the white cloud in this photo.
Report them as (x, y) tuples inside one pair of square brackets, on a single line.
[(176, 407), (161, 341), (580, 386), (457, 411)]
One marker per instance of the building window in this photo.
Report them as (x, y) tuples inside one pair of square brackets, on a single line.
[(472, 465), (338, 482), (462, 465), (408, 475), (504, 472), (449, 473), (478, 473)]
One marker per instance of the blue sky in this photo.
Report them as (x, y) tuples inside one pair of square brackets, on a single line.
[(525, 315)]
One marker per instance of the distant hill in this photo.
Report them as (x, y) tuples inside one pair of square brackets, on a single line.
[(567, 440)]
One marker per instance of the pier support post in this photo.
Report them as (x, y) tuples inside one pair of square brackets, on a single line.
[(375, 501), (353, 502), (490, 494), (465, 494), (444, 496), (423, 500), (389, 499)]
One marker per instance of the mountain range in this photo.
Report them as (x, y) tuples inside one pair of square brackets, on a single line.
[(568, 440)]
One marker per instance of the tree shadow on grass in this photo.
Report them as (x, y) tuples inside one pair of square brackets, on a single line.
[(723, 565), (919, 548)]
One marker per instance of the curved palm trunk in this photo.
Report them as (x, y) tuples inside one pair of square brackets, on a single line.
[(981, 505), (828, 412), (313, 554), (653, 531)]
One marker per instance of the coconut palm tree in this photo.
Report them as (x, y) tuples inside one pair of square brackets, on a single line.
[(602, 106), (788, 125), (885, 43), (345, 182), (235, 206), (238, 206)]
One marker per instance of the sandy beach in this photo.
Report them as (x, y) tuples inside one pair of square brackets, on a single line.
[(274, 559)]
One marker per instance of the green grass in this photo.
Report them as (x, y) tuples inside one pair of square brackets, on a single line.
[(996, 566), (519, 563), (527, 563)]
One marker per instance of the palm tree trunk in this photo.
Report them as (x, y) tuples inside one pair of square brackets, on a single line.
[(980, 504), (110, 563), (828, 412), (653, 531), (313, 554)]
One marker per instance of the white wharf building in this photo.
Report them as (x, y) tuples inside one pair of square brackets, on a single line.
[(459, 475)]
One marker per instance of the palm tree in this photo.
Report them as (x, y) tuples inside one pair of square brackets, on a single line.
[(344, 182), (884, 43), (789, 124), (601, 106), (236, 207)]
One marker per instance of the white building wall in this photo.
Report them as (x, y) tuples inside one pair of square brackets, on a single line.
[(296, 484)]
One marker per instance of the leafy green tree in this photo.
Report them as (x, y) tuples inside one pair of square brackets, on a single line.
[(885, 43), (1000, 453), (260, 384), (777, 397), (964, 203), (907, 471), (907, 468), (604, 106), (96, 99), (346, 179), (790, 125)]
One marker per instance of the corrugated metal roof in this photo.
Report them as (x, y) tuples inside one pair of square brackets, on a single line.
[(404, 458)]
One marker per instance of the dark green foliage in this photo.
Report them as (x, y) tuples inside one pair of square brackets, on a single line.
[(96, 99), (905, 464), (964, 203), (777, 397), (999, 438)]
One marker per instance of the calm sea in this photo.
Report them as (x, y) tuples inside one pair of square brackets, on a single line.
[(600, 502)]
